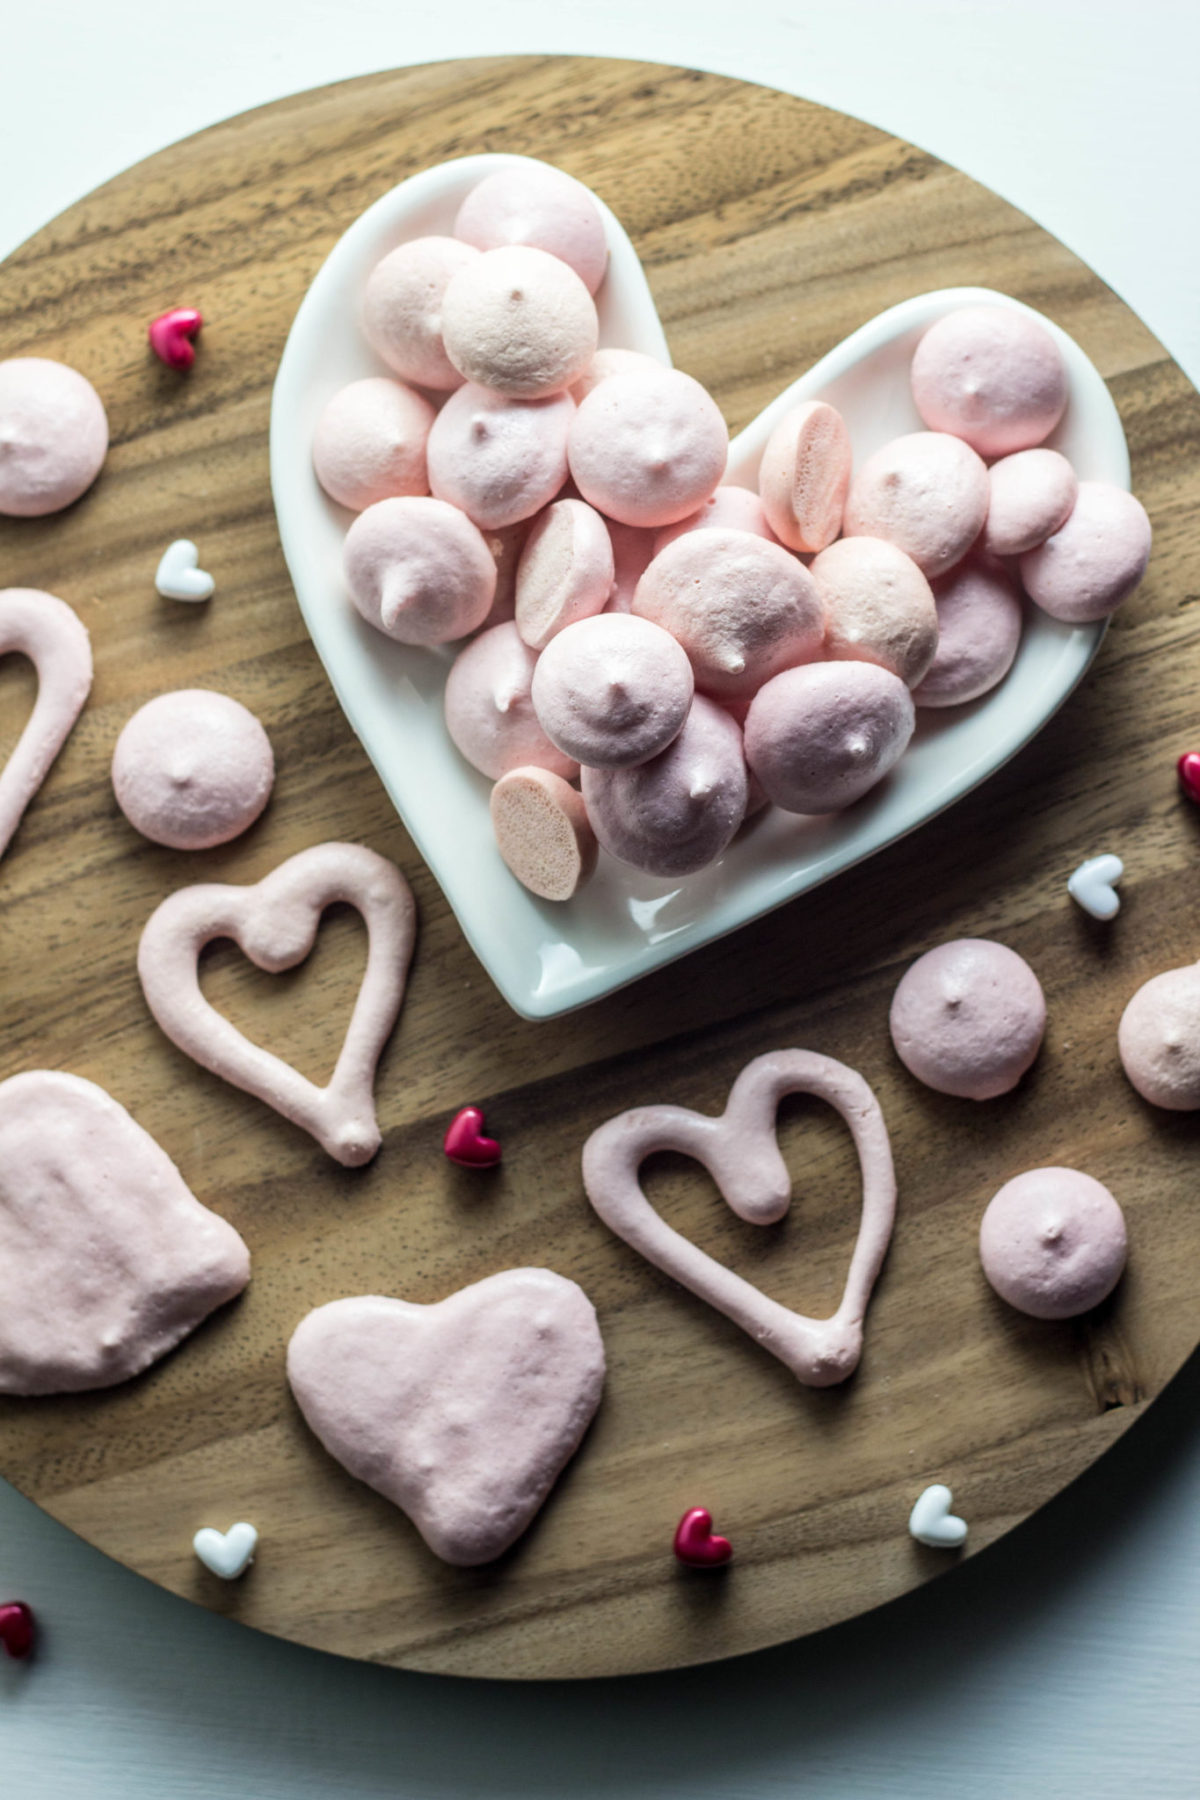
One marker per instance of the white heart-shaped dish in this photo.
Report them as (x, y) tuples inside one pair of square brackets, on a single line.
[(547, 959)]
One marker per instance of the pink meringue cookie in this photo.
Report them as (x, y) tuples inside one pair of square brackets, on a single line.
[(370, 443), (1053, 1243), (742, 608), (804, 476), (993, 376), (676, 813), (633, 549), (543, 832), (612, 690), (192, 769), (649, 448), (541, 206), (926, 492), (500, 460), (727, 508), (53, 436), (979, 618), (520, 322), (506, 546), (489, 713), (1095, 560), (1031, 495), (610, 359), (402, 308), (968, 1018), (1159, 1039), (565, 572), (819, 737), (878, 607), (418, 570)]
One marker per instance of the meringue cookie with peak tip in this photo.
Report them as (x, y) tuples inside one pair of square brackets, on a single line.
[(991, 375), (543, 832), (676, 813), (979, 619), (727, 508), (418, 570), (648, 448), (402, 308), (612, 690), (879, 607), (370, 443), (500, 460), (804, 476), (742, 608), (520, 322), (489, 712), (540, 206), (53, 436), (1159, 1039), (1053, 1243), (926, 492), (565, 572), (968, 1018), (819, 737), (1031, 496), (1094, 560), (192, 769)]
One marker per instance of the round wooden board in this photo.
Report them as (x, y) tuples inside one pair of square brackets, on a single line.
[(770, 228)]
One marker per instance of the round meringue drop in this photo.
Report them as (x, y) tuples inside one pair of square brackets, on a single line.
[(991, 375), (402, 309), (500, 460), (520, 322), (541, 206), (418, 570), (612, 691), (926, 492), (820, 737), (1053, 1243), (968, 1018), (675, 814), (878, 606), (192, 769), (743, 608), (565, 572), (1159, 1039), (804, 476), (1031, 496), (610, 359), (1096, 558), (727, 508), (648, 448), (53, 436), (979, 615), (370, 443), (489, 712)]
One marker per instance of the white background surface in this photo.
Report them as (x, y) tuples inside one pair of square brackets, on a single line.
[(1064, 1661)]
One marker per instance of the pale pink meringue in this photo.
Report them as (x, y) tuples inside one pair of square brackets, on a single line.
[(993, 376), (489, 712), (542, 206), (979, 616), (1053, 1243), (418, 570), (192, 769), (500, 460), (1031, 496), (402, 308), (1095, 560), (520, 322), (565, 572), (612, 690), (820, 737), (804, 476), (926, 492), (543, 833), (53, 436), (878, 607), (370, 443), (968, 1018), (648, 448), (727, 508)]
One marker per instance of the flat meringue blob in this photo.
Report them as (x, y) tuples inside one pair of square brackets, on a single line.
[(968, 1018)]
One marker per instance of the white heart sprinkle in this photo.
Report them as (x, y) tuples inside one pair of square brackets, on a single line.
[(1093, 885), (178, 577), (931, 1521), (227, 1553)]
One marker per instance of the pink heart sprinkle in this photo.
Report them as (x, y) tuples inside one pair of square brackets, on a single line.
[(697, 1544), (464, 1142), (171, 336), (16, 1627)]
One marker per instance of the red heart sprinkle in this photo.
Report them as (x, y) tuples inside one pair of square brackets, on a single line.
[(171, 336), (464, 1142), (1189, 774), (697, 1544), (16, 1627)]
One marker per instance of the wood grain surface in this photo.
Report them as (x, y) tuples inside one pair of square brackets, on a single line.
[(769, 228)]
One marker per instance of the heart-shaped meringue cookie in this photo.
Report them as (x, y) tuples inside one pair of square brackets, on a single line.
[(47, 631), (275, 923), (740, 1151), (107, 1259), (623, 924), (462, 1413)]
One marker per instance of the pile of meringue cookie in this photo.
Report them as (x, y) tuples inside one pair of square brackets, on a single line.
[(650, 656)]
